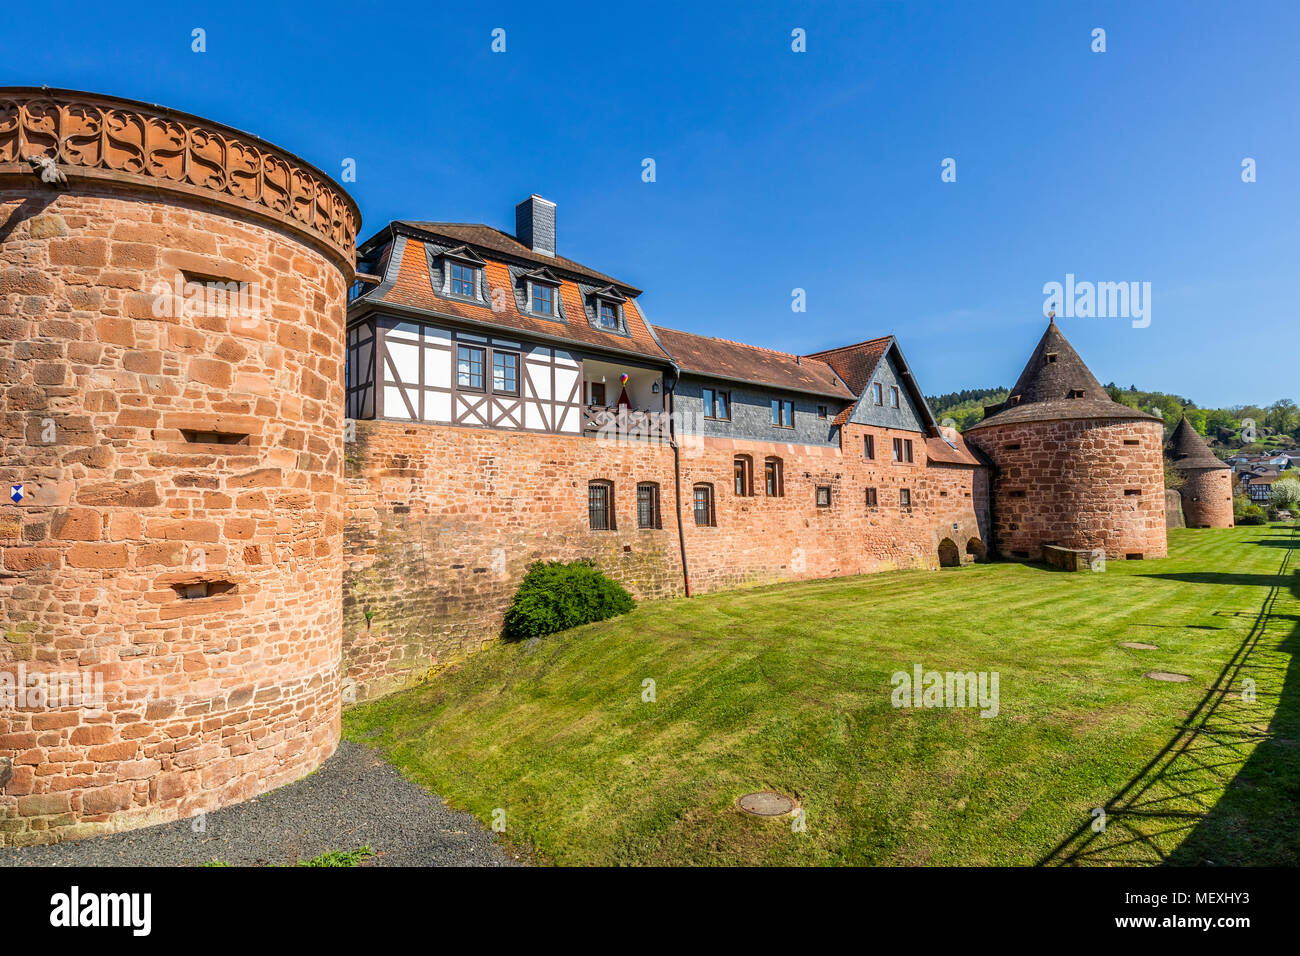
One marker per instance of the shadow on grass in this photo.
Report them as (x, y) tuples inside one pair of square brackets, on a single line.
[(1219, 577), (1226, 789)]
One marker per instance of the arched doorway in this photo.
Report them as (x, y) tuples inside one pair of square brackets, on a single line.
[(975, 548), (948, 556)]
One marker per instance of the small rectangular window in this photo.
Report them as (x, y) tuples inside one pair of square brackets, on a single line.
[(823, 496), (647, 505), (878, 393), (872, 499), (742, 471), (893, 396), (463, 279), (782, 413), (608, 314), (703, 502), (905, 498), (869, 446), (717, 404), (543, 299), (1015, 447), (1131, 492), (1131, 441), (772, 478), (821, 411), (469, 367), (505, 373), (600, 505), (898, 449)]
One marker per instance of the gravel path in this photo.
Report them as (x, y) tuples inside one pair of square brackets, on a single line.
[(356, 798)]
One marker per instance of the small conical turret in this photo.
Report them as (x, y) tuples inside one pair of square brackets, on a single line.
[(1189, 451)]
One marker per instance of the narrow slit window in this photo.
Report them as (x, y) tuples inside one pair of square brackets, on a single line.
[(214, 437)]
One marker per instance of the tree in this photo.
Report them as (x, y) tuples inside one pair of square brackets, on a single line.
[(1283, 416), (1285, 493)]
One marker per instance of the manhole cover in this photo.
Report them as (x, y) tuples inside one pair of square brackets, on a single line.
[(1164, 675), (766, 804), (1139, 646)]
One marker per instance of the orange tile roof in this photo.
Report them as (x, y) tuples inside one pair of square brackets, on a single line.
[(936, 449), (856, 363), (751, 363), (412, 287), (486, 237)]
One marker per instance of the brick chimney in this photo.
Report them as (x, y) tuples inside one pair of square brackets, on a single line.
[(535, 224)]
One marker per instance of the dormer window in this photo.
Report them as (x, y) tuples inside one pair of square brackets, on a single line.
[(462, 273), (608, 314), (464, 280), (1076, 393), (542, 300), (607, 309), (1051, 358), (542, 294)]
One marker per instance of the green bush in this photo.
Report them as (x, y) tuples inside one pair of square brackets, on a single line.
[(555, 596), (1252, 514)]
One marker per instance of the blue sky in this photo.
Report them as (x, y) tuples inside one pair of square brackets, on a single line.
[(778, 170)]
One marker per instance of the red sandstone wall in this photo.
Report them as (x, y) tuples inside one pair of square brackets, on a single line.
[(442, 523), (207, 701), (1071, 477), (1207, 498)]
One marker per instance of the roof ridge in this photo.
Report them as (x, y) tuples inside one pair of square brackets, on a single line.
[(855, 345), (745, 345)]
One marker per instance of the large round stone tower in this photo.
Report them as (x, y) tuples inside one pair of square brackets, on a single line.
[(1071, 467), (1207, 481), (172, 298)]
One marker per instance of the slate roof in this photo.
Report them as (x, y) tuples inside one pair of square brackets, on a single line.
[(1042, 393), (722, 358), (1188, 450)]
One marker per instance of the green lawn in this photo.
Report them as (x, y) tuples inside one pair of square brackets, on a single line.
[(788, 688)]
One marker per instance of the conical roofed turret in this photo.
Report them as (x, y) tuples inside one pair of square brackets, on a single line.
[(1056, 384), (1188, 450)]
